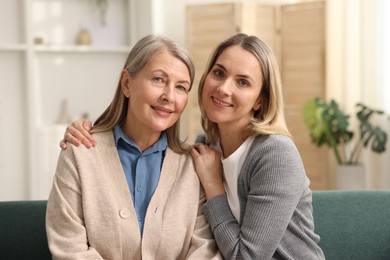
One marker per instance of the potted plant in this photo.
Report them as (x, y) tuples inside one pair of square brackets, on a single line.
[(329, 125)]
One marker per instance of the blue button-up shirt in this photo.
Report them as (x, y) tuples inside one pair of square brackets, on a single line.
[(142, 169)]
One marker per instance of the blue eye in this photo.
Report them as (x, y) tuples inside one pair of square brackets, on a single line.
[(182, 88), (158, 79)]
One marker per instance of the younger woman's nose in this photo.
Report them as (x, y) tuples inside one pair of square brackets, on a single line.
[(225, 88)]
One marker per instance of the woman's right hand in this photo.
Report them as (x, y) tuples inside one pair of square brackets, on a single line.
[(78, 133), (209, 169)]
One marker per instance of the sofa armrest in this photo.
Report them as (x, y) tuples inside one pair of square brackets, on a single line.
[(23, 233)]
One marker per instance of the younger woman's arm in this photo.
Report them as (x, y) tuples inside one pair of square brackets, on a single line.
[(78, 133)]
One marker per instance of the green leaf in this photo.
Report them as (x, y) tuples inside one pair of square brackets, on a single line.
[(329, 125)]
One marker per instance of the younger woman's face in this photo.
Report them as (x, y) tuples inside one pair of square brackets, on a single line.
[(232, 88), (157, 94)]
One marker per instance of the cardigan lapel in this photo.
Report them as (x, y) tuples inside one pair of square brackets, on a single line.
[(118, 181), (153, 226)]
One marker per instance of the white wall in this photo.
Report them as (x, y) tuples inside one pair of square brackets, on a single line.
[(356, 68), (13, 149), (383, 52)]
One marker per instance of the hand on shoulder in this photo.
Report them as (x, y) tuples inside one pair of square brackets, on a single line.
[(78, 133)]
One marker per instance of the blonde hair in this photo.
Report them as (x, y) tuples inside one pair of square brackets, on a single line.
[(269, 119), (137, 59)]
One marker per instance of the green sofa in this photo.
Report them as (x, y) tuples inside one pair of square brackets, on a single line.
[(22, 230), (352, 225)]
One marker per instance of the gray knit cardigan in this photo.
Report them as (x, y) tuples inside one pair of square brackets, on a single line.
[(275, 206)]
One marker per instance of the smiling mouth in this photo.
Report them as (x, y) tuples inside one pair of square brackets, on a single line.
[(221, 103), (162, 111)]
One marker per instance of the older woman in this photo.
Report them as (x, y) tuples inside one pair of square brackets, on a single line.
[(135, 195)]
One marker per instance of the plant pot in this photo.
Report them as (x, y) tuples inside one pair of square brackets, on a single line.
[(350, 177)]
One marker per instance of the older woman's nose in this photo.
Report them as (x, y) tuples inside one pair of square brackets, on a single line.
[(168, 94)]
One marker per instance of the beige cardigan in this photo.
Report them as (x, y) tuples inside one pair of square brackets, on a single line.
[(90, 213)]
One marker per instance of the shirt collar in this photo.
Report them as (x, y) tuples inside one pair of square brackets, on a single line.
[(160, 145)]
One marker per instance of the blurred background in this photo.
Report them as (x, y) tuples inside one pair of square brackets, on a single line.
[(60, 60)]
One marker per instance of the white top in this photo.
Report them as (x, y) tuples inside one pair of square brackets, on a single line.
[(231, 169)]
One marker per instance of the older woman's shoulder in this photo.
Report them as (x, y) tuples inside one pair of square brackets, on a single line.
[(104, 138)]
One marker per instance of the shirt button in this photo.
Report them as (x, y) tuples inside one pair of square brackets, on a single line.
[(139, 189), (124, 213)]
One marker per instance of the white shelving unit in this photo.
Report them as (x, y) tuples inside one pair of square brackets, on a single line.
[(36, 79)]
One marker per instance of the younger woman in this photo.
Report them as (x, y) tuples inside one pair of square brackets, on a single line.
[(258, 198)]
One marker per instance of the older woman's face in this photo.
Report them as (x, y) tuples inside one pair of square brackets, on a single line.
[(158, 93), (231, 89)]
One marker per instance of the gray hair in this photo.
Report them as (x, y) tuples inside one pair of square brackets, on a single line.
[(137, 59)]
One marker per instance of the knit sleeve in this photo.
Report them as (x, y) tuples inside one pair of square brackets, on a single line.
[(66, 232), (270, 185)]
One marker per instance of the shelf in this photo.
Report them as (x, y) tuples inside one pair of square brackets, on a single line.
[(66, 48), (41, 65), (81, 49), (13, 47)]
